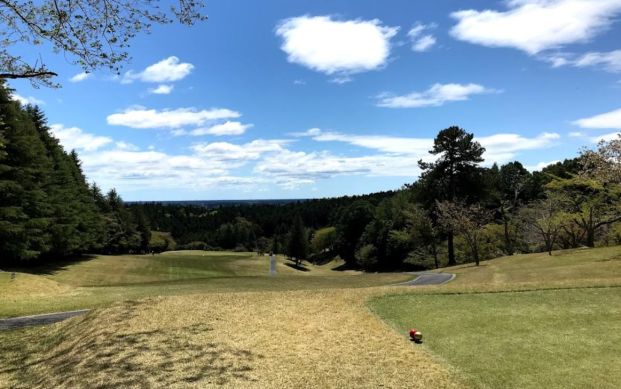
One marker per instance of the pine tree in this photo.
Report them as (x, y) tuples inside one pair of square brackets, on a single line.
[(25, 167), (454, 173)]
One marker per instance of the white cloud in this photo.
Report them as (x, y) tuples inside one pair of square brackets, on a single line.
[(121, 145), (534, 26), (336, 47), (387, 144), (606, 120), (605, 137), (505, 147), (499, 147), (226, 128), (291, 169), (162, 89), (421, 41), (140, 117), (74, 138), (540, 165), (609, 61), (224, 151), (27, 100), (437, 95), (80, 77), (167, 70)]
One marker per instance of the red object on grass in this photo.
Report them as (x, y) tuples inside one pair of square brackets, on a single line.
[(416, 335)]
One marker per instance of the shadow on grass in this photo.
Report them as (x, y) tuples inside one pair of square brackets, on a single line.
[(297, 267), (47, 266), (98, 351)]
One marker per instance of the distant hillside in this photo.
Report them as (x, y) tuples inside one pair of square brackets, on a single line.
[(222, 203)]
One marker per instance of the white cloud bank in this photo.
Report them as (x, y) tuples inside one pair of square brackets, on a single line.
[(167, 70), (140, 117), (437, 95), (608, 120), (534, 26), (336, 47)]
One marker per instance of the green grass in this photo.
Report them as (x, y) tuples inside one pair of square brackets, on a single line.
[(600, 266), (526, 321), (103, 280), (540, 339)]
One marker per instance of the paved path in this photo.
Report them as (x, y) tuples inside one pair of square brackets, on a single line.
[(429, 279), (47, 318)]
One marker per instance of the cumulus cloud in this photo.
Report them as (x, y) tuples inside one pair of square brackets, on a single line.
[(420, 38), (80, 77), (437, 95), (534, 26), (606, 120), (226, 128), (336, 47), (29, 100), (162, 89), (140, 117), (167, 70), (74, 138)]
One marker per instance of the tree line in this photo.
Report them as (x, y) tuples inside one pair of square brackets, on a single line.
[(47, 208), (457, 211)]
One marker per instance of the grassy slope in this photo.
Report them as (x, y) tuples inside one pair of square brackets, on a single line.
[(103, 280), (329, 338), (564, 337)]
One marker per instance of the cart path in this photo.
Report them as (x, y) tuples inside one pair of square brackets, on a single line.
[(429, 279), (46, 318)]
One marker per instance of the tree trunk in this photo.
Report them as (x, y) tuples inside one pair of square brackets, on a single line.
[(590, 237), (508, 244), (451, 250)]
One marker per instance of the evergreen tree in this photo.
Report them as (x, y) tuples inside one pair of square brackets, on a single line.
[(24, 168), (454, 174)]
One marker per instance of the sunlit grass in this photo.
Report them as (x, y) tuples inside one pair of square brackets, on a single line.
[(102, 280), (539, 339)]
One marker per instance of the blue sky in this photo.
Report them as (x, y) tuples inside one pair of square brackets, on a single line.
[(298, 99)]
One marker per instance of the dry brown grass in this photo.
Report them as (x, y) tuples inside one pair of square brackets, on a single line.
[(311, 339), (29, 285)]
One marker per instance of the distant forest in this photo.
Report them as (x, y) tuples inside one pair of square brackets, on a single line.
[(457, 211)]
